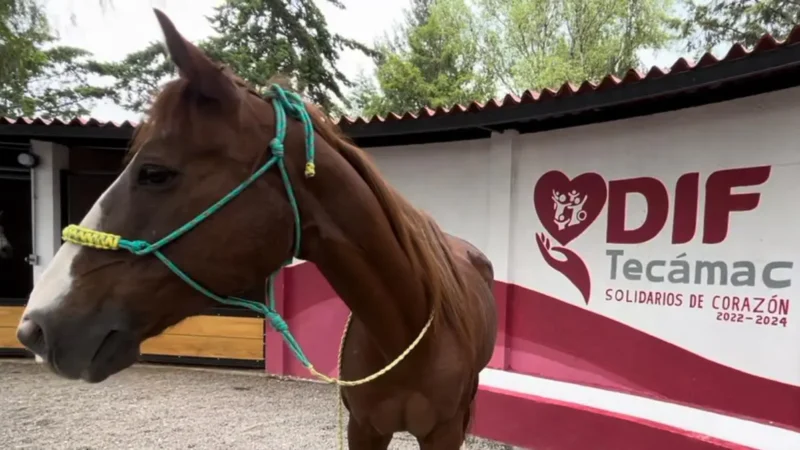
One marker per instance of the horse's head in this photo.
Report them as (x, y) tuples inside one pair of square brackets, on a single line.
[(205, 134), (5, 246)]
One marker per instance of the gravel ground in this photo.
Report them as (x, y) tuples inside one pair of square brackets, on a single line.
[(163, 407)]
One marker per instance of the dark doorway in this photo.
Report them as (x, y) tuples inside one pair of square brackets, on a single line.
[(16, 275), (82, 191)]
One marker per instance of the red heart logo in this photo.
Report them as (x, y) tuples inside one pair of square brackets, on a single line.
[(567, 208)]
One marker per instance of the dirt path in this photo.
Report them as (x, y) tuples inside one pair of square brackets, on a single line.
[(159, 407)]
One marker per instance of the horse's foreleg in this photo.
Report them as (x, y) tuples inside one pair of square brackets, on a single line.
[(449, 435), (365, 437)]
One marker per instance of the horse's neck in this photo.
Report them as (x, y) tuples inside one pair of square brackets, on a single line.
[(352, 243)]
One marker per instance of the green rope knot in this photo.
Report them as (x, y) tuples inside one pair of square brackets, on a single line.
[(276, 89), (277, 147), (277, 321), (293, 104), (137, 247), (293, 109)]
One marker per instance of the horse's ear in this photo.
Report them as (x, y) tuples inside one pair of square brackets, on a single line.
[(203, 75)]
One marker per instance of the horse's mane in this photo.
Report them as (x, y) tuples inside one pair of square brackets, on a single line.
[(420, 237), (422, 240)]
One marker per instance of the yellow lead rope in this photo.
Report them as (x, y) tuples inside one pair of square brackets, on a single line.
[(339, 382)]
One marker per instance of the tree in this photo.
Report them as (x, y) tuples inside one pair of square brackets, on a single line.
[(38, 78), (457, 51), (366, 98), (257, 39), (715, 22), (138, 76), (533, 44), (433, 60)]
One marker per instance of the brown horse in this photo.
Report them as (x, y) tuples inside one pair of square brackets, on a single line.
[(388, 261), (6, 250)]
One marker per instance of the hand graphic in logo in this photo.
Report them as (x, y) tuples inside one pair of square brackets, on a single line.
[(570, 265)]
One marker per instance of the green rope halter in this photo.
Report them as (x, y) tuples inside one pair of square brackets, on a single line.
[(283, 102)]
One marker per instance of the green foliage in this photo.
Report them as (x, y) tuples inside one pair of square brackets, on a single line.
[(432, 61), (366, 98), (138, 76), (444, 52), (456, 51), (533, 44), (38, 78), (258, 39), (715, 22)]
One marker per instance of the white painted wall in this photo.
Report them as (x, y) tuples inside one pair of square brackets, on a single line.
[(47, 201), (754, 131), (449, 180), (483, 191)]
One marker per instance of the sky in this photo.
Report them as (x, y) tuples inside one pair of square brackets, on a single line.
[(123, 26)]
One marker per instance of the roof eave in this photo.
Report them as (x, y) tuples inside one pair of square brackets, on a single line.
[(587, 104), (53, 131), (751, 65)]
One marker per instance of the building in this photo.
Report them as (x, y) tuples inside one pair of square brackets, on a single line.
[(640, 230)]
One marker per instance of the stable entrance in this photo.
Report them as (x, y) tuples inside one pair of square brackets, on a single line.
[(16, 274)]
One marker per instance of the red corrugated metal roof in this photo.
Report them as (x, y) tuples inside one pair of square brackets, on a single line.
[(737, 51), (77, 122)]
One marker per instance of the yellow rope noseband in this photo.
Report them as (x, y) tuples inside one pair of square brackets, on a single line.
[(90, 238)]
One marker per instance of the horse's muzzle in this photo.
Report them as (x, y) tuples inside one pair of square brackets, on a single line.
[(91, 349), (6, 252)]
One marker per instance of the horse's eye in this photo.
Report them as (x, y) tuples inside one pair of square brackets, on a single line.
[(155, 175)]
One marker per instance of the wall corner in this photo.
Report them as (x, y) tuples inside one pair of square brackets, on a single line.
[(501, 176), (46, 198)]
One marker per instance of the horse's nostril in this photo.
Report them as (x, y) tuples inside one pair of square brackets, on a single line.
[(31, 335)]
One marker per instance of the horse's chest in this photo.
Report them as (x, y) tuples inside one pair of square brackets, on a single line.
[(412, 397), (407, 411)]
